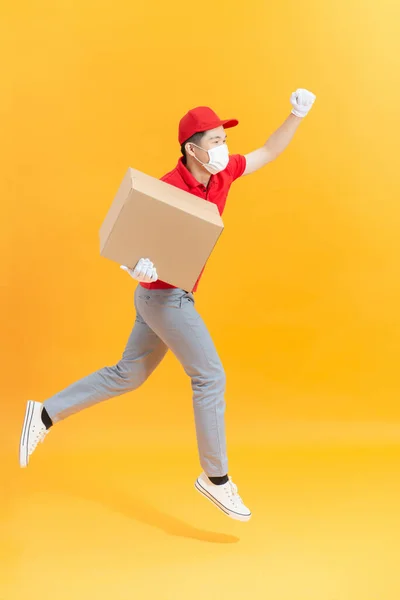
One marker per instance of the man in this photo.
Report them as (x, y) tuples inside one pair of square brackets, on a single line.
[(166, 317)]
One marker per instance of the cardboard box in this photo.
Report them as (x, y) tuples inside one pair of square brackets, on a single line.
[(153, 219)]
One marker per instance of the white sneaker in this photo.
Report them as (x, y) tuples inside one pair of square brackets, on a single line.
[(225, 497), (33, 431)]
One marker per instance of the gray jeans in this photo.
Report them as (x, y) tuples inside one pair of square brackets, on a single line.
[(165, 319)]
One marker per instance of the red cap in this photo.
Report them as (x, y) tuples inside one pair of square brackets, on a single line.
[(200, 119)]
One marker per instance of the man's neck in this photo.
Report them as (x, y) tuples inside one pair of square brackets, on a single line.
[(198, 172)]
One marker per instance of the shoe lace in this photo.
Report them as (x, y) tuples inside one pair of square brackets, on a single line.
[(37, 437), (43, 435), (233, 492)]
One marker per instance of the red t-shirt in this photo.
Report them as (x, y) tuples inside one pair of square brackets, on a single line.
[(216, 192)]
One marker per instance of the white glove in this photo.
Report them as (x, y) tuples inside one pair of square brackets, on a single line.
[(302, 101), (144, 272)]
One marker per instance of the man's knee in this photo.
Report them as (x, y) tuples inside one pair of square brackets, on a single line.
[(129, 376), (220, 378), (211, 381)]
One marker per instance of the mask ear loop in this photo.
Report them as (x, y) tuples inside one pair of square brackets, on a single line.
[(198, 160)]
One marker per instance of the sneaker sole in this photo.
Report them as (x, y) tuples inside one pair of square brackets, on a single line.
[(23, 445), (226, 511)]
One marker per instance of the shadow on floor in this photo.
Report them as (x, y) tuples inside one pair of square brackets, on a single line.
[(100, 491)]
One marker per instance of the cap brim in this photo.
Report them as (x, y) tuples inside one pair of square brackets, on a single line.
[(229, 123)]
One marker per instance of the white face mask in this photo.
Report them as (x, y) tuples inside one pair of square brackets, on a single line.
[(219, 159)]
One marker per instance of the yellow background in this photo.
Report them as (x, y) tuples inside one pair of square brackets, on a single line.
[(302, 298)]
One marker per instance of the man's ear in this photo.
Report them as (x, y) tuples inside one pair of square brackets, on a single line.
[(189, 149)]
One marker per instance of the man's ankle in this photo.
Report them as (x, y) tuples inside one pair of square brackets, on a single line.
[(219, 480)]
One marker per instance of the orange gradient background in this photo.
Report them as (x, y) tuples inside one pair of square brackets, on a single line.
[(301, 296)]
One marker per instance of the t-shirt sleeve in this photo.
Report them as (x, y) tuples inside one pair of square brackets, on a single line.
[(236, 166)]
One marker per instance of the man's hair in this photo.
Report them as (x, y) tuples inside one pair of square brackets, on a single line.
[(195, 139)]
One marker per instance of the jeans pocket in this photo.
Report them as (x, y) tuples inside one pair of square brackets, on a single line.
[(161, 300), (187, 299)]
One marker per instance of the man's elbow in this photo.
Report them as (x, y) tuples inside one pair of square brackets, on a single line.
[(258, 160), (270, 155)]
